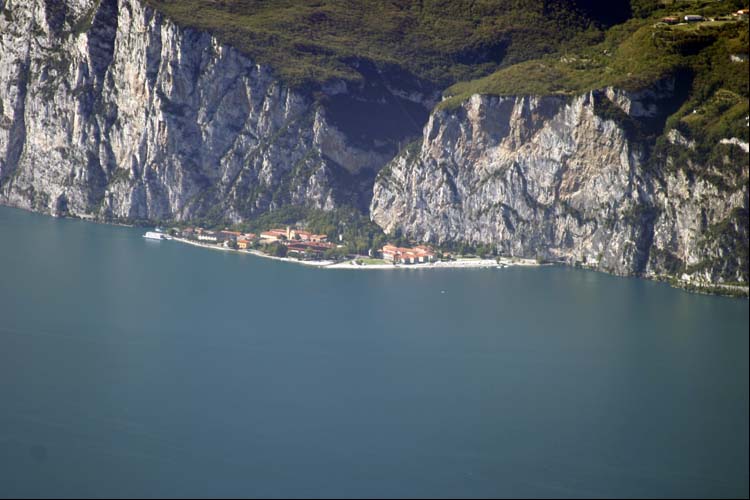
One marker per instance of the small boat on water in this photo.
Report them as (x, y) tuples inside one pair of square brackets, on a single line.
[(152, 235)]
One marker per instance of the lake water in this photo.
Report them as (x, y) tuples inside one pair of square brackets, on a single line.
[(139, 368)]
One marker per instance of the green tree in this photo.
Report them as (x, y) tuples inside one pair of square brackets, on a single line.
[(277, 250)]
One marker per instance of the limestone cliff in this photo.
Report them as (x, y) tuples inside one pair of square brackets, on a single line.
[(568, 179), (110, 110)]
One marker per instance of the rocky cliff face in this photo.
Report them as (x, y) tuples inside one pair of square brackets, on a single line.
[(107, 109), (568, 179)]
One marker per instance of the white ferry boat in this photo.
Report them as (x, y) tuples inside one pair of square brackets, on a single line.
[(152, 235)]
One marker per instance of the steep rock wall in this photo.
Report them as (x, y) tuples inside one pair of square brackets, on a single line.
[(560, 179), (107, 109)]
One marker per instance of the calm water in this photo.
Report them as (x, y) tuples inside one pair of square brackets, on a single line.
[(139, 368)]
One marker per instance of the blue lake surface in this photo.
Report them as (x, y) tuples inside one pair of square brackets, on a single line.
[(139, 368)]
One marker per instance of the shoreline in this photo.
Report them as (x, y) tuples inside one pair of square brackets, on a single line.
[(476, 263), (708, 289), (257, 253), (720, 289)]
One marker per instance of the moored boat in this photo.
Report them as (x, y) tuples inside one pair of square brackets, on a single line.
[(151, 235)]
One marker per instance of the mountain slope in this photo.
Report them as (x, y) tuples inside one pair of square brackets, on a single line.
[(630, 156), (568, 130), (112, 111), (437, 40), (220, 111)]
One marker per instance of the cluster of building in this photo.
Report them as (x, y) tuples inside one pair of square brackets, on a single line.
[(414, 255), (302, 244), (224, 236), (290, 234), (687, 19), (299, 242)]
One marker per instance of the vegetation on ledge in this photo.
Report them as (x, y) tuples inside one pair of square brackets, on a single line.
[(442, 41), (632, 56)]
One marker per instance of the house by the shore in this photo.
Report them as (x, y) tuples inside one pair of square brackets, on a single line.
[(206, 235), (402, 255), (308, 249)]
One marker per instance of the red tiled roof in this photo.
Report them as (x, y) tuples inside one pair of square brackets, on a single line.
[(418, 251), (300, 245), (274, 232)]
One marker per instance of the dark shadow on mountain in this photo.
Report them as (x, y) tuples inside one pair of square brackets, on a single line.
[(380, 113)]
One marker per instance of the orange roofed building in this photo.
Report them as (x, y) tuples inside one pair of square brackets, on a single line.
[(292, 234), (415, 255), (273, 234)]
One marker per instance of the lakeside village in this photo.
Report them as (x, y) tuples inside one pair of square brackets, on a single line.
[(305, 247), (300, 245)]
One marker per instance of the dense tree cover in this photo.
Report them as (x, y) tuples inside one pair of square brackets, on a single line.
[(443, 41), (631, 55), (276, 249)]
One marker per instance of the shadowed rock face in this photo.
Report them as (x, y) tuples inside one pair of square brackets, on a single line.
[(109, 109), (550, 177)]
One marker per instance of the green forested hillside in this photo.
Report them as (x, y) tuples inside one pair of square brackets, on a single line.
[(633, 55), (443, 41), (710, 59)]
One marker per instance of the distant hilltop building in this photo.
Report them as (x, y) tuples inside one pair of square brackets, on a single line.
[(692, 18), (308, 248)]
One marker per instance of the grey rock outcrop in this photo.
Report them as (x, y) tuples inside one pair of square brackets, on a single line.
[(555, 178), (110, 110)]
